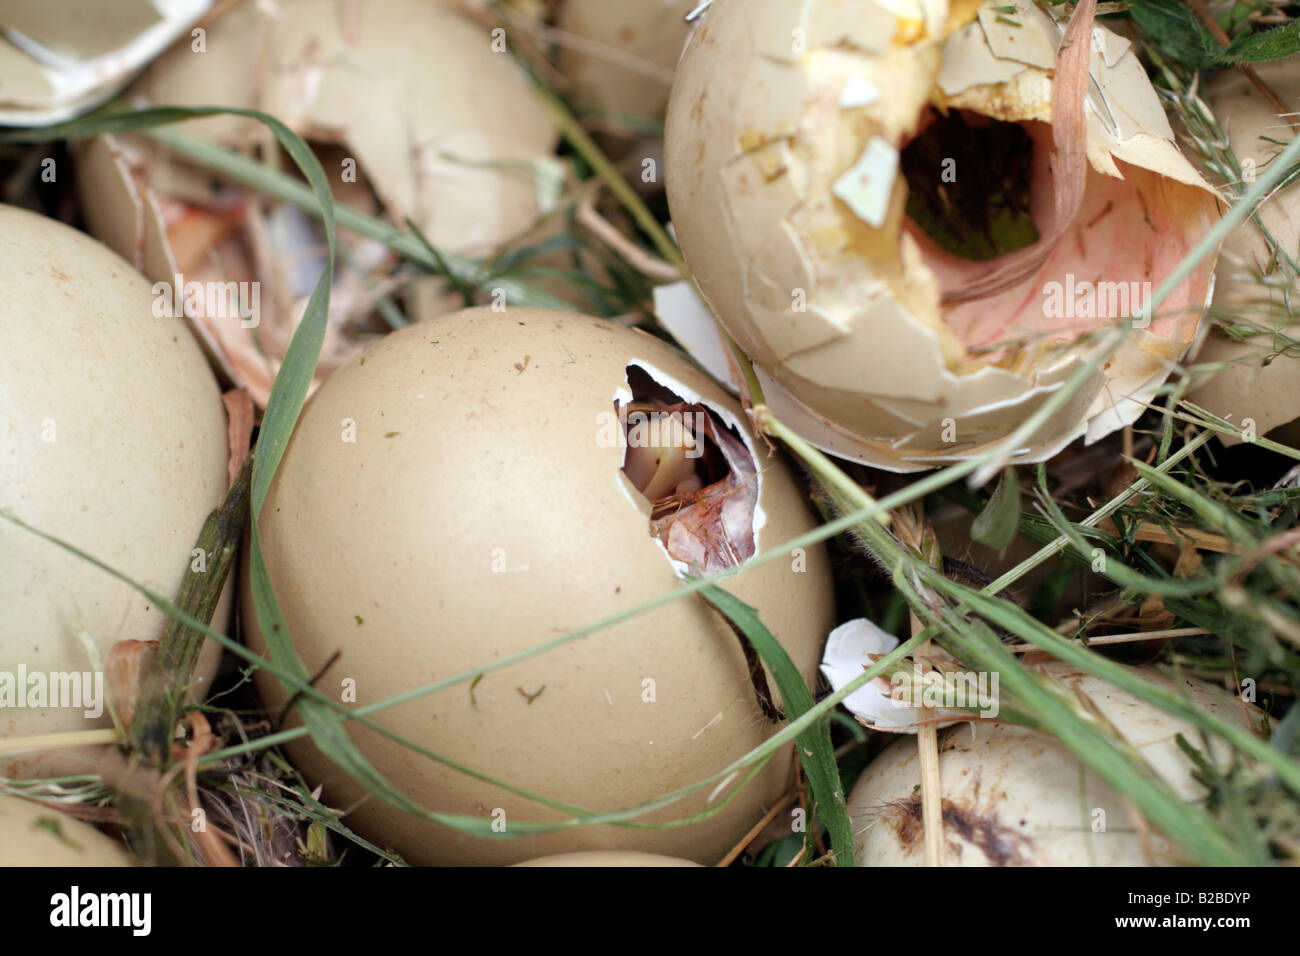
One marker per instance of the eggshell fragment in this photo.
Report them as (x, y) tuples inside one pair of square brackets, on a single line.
[(32, 834), (1015, 797), (403, 97), (1249, 392), (113, 438), (804, 251), (482, 510), (853, 647), (61, 59), (444, 127)]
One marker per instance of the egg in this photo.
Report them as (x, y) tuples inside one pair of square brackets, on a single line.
[(32, 834), (465, 492), (620, 57), (1016, 797), (843, 177), (1250, 392), (602, 858), (113, 438)]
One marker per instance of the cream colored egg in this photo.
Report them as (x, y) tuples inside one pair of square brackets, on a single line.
[(787, 172), (1252, 285), (618, 858), (1015, 797), (457, 497), (32, 834), (113, 438), (619, 55)]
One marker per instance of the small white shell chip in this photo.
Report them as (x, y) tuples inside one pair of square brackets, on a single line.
[(867, 185), (858, 91), (850, 650)]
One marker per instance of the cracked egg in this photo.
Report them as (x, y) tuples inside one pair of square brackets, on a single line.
[(412, 113), (906, 217), (112, 438), (1016, 797), (480, 483)]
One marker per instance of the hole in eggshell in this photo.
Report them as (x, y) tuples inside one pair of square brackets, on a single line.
[(1124, 240), (970, 184), (696, 471)]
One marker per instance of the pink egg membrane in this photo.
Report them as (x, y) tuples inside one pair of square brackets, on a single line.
[(1133, 230)]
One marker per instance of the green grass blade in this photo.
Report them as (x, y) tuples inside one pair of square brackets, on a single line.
[(996, 525), (813, 745)]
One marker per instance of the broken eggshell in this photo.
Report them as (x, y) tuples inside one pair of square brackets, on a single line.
[(447, 130), (112, 438), (408, 99), (58, 60), (783, 149), (853, 647), (1016, 797), (1256, 279), (483, 509)]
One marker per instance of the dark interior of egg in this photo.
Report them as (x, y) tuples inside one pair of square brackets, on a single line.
[(981, 190), (696, 472), (985, 212)]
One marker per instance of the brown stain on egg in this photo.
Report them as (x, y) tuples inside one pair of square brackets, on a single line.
[(1000, 843)]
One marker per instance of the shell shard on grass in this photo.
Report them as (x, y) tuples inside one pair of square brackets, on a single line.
[(853, 647), (801, 233), (1257, 286), (462, 148)]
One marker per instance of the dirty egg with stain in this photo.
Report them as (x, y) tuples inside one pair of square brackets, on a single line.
[(1016, 797), (511, 508)]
